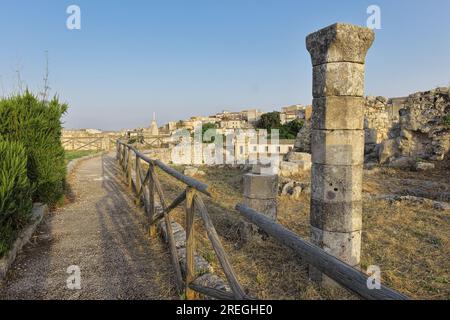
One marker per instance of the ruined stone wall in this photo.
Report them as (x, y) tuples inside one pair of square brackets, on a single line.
[(377, 120), (423, 131), (401, 128), (381, 119)]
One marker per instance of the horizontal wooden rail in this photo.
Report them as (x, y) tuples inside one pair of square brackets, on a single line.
[(147, 186), (197, 185), (347, 276), (212, 292), (178, 200)]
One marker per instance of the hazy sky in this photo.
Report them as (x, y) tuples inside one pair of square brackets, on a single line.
[(192, 57)]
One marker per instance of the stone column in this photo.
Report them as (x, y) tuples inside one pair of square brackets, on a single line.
[(260, 194), (337, 140)]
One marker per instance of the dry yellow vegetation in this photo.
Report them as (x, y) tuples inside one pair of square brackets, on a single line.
[(410, 241)]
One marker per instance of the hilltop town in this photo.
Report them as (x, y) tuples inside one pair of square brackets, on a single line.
[(224, 122)]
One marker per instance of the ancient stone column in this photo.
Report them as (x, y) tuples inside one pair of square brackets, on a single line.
[(337, 140)]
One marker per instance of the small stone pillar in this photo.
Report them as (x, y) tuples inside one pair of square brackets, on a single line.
[(260, 194), (337, 140)]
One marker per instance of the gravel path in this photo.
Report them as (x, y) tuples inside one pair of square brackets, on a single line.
[(103, 233)]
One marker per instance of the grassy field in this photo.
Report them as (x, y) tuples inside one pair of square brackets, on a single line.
[(71, 155), (409, 241)]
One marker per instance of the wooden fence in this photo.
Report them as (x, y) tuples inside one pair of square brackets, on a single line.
[(85, 143), (146, 186), (344, 274)]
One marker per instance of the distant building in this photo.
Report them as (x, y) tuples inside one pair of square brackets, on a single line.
[(233, 124), (154, 130), (307, 113), (169, 127), (294, 112), (229, 115), (252, 116)]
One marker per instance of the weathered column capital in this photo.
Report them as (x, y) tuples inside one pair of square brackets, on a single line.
[(340, 43)]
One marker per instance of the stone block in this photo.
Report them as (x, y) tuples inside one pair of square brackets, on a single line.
[(268, 207), (345, 246), (336, 183), (338, 79), (423, 166), (190, 171), (387, 150), (265, 169), (340, 42), (201, 265), (178, 233), (288, 169), (371, 136), (260, 186), (336, 216), (298, 156), (338, 113), (297, 192), (210, 280), (337, 147), (401, 163)]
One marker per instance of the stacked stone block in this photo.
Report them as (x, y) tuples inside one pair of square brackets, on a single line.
[(337, 140), (260, 194)]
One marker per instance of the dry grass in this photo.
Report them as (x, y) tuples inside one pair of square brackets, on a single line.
[(409, 241)]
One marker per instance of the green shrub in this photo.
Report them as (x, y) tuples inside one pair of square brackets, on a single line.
[(37, 125), (272, 120), (447, 120), (15, 192)]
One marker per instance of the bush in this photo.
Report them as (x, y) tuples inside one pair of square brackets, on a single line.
[(269, 121), (15, 192), (447, 120), (37, 125), (272, 120), (291, 129)]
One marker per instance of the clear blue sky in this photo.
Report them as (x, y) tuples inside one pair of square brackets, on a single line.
[(198, 57)]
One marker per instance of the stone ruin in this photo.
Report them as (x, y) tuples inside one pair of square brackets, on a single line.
[(401, 132), (337, 146), (337, 140), (346, 131), (421, 132)]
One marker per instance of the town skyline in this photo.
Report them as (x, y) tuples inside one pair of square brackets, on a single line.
[(180, 59)]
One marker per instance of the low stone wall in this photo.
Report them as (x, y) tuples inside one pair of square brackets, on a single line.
[(25, 234), (204, 271)]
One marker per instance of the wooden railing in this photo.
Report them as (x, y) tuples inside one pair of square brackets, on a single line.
[(146, 186), (101, 143), (344, 274)]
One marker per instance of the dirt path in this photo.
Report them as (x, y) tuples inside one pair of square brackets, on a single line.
[(103, 233)]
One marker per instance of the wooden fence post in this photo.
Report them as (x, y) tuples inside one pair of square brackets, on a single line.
[(124, 158), (138, 179), (190, 242), (129, 168), (151, 203), (168, 223)]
